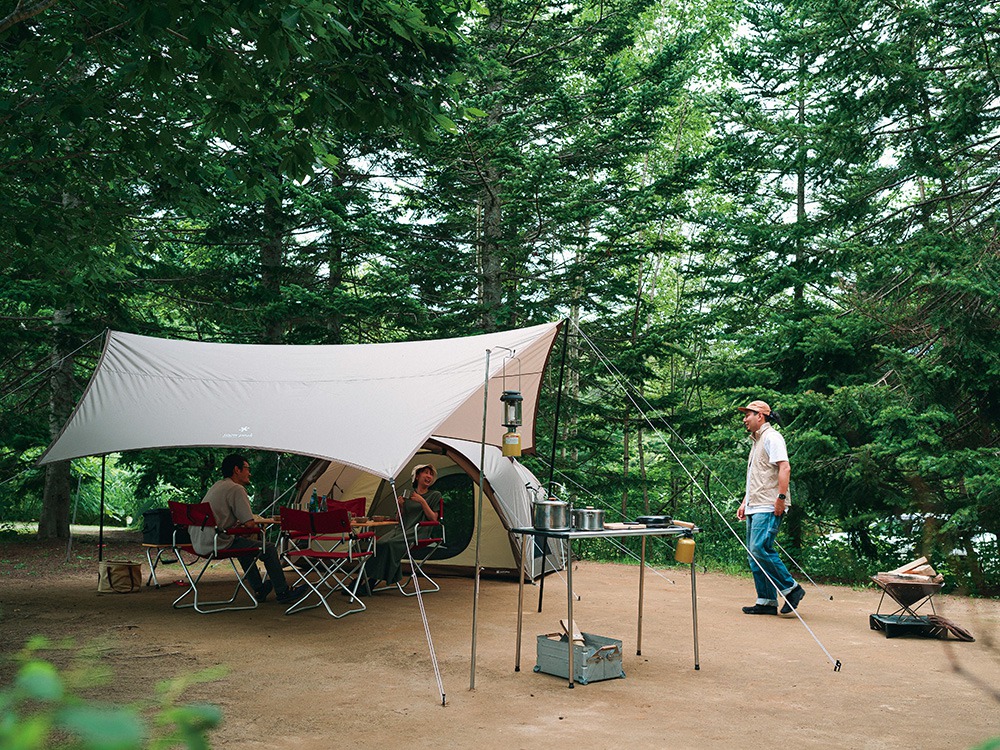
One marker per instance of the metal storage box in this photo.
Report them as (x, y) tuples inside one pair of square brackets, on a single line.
[(598, 658)]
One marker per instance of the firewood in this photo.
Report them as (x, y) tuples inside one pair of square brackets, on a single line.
[(909, 566)]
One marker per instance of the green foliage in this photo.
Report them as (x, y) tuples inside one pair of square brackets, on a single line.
[(43, 708)]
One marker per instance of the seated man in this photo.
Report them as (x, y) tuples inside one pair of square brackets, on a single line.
[(231, 506)]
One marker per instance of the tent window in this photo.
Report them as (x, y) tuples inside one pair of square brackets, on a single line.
[(458, 491)]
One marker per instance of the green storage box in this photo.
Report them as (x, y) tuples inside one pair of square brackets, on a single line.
[(598, 658)]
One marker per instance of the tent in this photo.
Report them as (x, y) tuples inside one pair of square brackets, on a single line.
[(507, 504), (369, 406)]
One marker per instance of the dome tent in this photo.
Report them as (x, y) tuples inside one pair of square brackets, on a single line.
[(508, 489)]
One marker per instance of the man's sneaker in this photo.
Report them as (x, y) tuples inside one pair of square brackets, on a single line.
[(261, 593), (761, 609), (792, 599), (292, 595)]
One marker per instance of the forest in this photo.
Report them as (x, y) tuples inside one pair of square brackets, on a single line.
[(791, 201)]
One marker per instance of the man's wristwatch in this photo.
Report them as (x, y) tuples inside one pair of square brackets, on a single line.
[(781, 496)]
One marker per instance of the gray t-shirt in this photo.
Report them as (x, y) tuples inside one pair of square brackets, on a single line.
[(231, 506)]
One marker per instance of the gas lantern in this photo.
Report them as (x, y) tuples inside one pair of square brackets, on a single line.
[(511, 420)]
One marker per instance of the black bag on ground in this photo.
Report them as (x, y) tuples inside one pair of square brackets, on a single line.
[(158, 528)]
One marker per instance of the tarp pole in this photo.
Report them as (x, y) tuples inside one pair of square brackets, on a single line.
[(416, 589), (100, 528), (479, 524), (552, 461), (76, 507)]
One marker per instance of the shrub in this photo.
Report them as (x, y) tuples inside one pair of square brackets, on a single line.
[(41, 710)]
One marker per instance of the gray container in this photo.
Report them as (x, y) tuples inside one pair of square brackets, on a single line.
[(598, 658), (550, 515), (588, 519)]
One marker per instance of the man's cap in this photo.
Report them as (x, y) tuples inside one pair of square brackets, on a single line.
[(758, 406)]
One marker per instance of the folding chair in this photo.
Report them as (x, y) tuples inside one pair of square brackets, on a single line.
[(332, 567), (355, 506), (200, 514), (421, 548)]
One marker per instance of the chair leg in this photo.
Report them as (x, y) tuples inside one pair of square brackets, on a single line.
[(417, 572), (330, 581), (211, 607)]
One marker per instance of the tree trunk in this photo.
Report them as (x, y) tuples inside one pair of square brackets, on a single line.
[(271, 262), (626, 436), (491, 286), (335, 318), (53, 522)]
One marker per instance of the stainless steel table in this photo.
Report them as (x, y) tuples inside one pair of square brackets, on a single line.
[(570, 536)]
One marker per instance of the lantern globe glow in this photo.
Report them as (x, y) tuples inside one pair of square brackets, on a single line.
[(511, 409)]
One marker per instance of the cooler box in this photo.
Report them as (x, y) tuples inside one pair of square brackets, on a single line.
[(158, 528), (597, 658)]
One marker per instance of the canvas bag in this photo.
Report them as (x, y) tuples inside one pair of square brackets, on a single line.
[(118, 576)]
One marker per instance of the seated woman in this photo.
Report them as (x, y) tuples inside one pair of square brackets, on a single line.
[(418, 505)]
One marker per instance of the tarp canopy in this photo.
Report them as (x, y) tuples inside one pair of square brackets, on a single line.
[(370, 406)]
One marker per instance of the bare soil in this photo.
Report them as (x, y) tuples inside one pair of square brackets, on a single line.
[(367, 681)]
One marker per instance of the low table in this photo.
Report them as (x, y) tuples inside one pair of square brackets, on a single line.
[(570, 536)]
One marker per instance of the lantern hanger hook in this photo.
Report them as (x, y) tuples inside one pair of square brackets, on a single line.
[(511, 355)]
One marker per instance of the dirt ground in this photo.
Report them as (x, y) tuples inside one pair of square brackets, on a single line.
[(308, 681)]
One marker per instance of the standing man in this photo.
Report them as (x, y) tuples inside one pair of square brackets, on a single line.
[(231, 506), (764, 503)]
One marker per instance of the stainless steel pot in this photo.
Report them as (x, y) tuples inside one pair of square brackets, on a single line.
[(588, 519), (550, 515)]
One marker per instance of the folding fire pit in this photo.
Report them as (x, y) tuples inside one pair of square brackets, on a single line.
[(910, 593), (911, 587)]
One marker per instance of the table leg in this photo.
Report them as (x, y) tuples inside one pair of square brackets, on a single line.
[(520, 602), (642, 585), (152, 568), (694, 615), (569, 606)]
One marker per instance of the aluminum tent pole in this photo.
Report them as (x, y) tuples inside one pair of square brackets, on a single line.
[(76, 507), (479, 524), (552, 462), (100, 528)]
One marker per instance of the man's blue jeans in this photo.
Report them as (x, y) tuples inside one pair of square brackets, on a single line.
[(762, 530)]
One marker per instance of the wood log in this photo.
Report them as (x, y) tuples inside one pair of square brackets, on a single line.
[(909, 566), (577, 636)]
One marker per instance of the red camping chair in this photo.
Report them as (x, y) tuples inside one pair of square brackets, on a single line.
[(421, 548), (200, 514), (355, 506), (333, 567)]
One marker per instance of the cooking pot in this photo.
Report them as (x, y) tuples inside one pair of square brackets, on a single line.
[(588, 519), (654, 522), (550, 515)]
